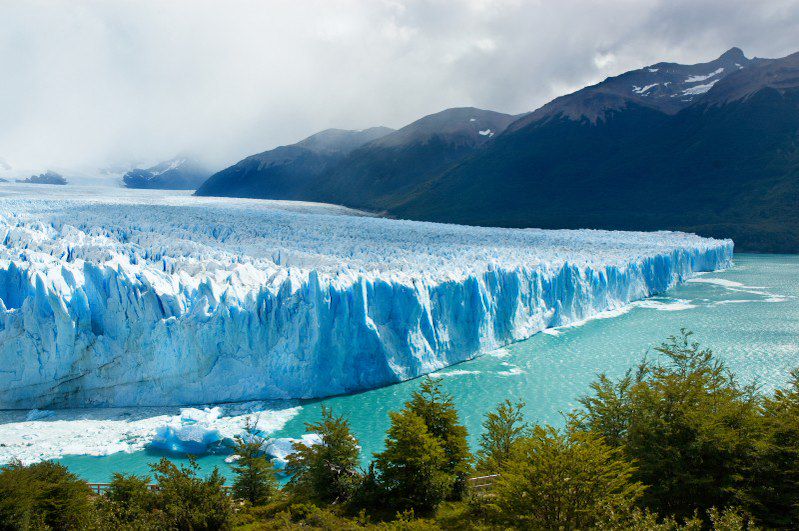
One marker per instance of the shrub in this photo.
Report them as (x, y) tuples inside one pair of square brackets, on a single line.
[(412, 468), (129, 500), (773, 493), (686, 423), (189, 501), (325, 472), (43, 496), (255, 474), (501, 429), (436, 408), (563, 480)]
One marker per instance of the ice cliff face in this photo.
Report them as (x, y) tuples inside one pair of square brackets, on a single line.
[(186, 300)]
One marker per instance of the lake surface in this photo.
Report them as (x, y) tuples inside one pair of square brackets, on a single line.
[(748, 315)]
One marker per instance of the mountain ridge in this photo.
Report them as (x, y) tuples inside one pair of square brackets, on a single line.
[(179, 173), (721, 166), (711, 148)]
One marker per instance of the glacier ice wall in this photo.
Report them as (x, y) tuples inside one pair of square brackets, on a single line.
[(179, 300)]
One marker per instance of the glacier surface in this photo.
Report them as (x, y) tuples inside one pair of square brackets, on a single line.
[(153, 300)]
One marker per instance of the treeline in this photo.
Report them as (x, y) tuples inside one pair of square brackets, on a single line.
[(676, 443)]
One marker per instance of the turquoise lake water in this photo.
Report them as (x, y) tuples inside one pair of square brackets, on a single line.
[(748, 315)]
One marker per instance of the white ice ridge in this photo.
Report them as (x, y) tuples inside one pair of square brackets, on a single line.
[(181, 300)]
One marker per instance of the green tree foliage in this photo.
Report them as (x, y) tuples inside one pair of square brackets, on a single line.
[(685, 422), (129, 503), (412, 470), (501, 429), (325, 472), (773, 494), (190, 502), (43, 496), (255, 479), (437, 411), (563, 480)]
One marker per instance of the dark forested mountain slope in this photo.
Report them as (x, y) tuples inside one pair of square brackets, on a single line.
[(379, 173), (711, 148), (289, 172), (367, 169), (725, 165)]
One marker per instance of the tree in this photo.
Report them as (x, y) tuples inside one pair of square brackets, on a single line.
[(685, 422), (563, 480), (437, 410), (501, 429), (190, 502), (773, 494), (129, 502), (412, 468), (327, 471), (609, 410), (43, 496), (255, 474)]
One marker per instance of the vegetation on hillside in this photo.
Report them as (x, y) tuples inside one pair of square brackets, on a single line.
[(676, 443)]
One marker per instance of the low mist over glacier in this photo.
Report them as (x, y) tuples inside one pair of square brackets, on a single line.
[(165, 300)]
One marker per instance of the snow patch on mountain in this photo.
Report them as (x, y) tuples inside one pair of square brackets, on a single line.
[(696, 79), (643, 90), (699, 89)]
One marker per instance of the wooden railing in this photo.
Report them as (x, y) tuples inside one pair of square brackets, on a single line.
[(100, 488), (482, 483)]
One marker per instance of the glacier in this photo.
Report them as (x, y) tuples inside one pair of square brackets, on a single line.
[(165, 299)]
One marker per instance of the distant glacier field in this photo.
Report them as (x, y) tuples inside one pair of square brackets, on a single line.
[(159, 299)]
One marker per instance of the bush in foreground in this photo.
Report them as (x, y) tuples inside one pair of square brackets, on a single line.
[(129, 502), (255, 480), (567, 479), (412, 469), (501, 429), (325, 472), (188, 501), (437, 410), (43, 496), (686, 423)]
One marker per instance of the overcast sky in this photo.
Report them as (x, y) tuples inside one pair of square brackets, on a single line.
[(96, 83)]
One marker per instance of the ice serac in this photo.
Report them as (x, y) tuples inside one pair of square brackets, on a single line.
[(192, 301)]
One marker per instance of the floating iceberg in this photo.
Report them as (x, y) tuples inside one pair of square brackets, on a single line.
[(195, 432), (172, 300)]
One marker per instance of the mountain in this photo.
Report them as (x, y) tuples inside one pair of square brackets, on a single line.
[(665, 87), (289, 172), (366, 169), (375, 174), (725, 163), (48, 177), (180, 173)]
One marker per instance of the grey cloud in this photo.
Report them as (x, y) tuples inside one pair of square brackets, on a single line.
[(94, 83)]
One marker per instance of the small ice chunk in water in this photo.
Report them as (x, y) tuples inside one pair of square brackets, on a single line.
[(281, 447)]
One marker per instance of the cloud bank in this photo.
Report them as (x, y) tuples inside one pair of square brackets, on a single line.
[(92, 84)]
